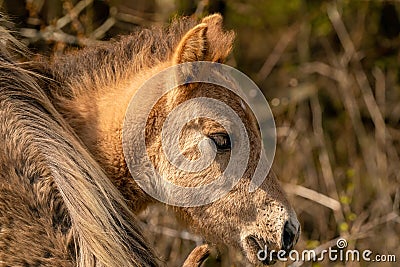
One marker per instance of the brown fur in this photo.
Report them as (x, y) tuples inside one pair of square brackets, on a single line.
[(57, 207), (92, 88), (99, 122)]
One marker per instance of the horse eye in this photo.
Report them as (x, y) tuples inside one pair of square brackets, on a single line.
[(221, 141)]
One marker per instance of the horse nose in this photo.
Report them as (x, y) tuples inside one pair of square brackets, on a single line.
[(290, 235)]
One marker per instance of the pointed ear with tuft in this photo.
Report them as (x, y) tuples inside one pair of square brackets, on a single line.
[(205, 42), (193, 46), (220, 41)]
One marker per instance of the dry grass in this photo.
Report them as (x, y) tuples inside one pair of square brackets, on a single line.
[(336, 99)]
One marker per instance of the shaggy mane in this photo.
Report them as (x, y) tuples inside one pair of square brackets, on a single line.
[(108, 63), (57, 207)]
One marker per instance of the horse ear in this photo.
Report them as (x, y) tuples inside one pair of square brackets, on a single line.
[(193, 46), (207, 41), (220, 41)]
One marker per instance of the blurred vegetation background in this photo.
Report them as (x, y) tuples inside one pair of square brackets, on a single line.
[(330, 70)]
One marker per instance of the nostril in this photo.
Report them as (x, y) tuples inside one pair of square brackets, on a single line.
[(289, 236)]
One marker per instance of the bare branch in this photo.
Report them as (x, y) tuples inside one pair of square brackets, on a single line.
[(312, 195), (74, 13), (276, 54)]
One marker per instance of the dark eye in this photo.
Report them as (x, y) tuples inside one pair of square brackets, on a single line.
[(221, 141)]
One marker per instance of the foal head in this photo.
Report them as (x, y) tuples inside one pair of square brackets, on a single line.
[(248, 220)]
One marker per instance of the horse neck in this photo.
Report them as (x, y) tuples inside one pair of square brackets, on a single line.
[(97, 117)]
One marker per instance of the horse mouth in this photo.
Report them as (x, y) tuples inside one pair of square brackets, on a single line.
[(257, 251)]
